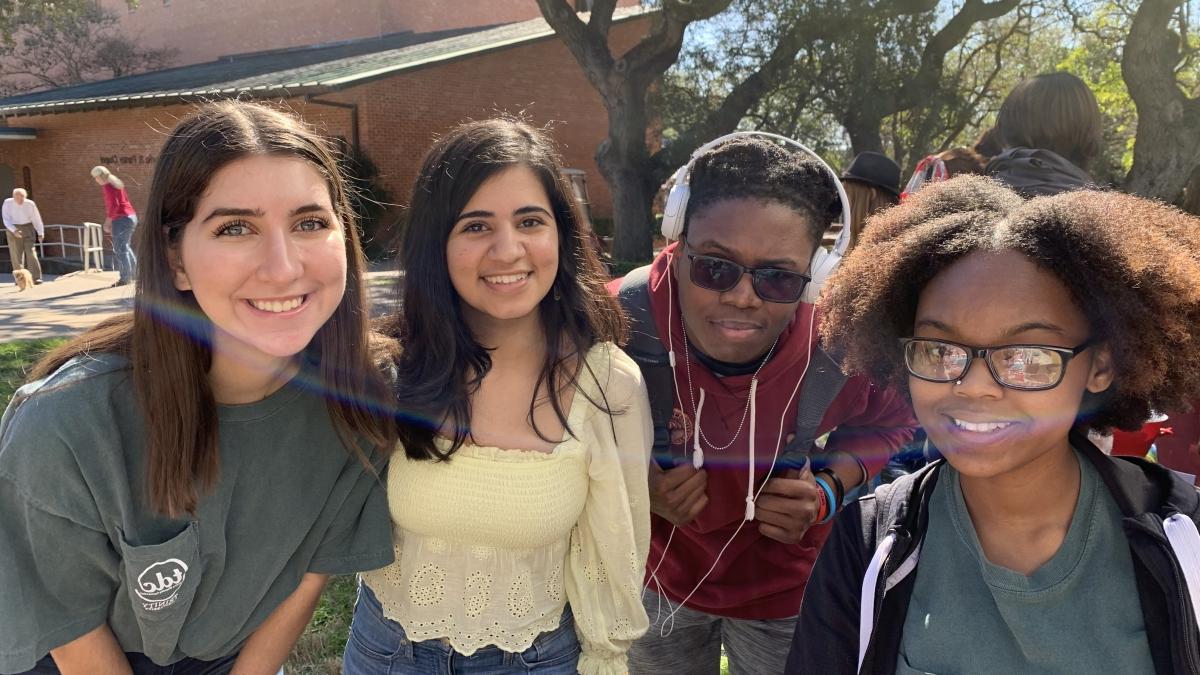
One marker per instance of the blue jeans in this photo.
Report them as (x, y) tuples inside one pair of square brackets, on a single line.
[(378, 646), (122, 234)]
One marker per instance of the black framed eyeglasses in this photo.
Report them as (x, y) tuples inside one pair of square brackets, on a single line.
[(770, 283), (1021, 367)]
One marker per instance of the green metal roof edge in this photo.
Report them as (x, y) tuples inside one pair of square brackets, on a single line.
[(288, 89), (149, 98), (348, 80)]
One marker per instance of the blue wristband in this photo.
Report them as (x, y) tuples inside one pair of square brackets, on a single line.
[(829, 498)]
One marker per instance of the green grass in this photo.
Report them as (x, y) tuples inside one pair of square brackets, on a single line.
[(319, 650), (16, 358)]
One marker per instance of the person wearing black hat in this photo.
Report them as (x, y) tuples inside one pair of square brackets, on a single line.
[(872, 184)]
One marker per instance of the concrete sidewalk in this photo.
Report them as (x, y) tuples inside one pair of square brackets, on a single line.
[(64, 305), (61, 306)]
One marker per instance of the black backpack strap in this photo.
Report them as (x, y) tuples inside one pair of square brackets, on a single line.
[(822, 384), (645, 348)]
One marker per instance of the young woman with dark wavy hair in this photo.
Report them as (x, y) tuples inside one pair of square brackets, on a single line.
[(519, 502)]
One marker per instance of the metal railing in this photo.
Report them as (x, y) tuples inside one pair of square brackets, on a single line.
[(86, 249)]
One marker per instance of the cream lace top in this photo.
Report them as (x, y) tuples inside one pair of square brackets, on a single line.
[(492, 545)]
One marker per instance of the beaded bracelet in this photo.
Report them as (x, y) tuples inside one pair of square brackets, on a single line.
[(827, 498), (839, 489)]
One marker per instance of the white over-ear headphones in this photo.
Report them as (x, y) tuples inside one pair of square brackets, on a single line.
[(823, 263)]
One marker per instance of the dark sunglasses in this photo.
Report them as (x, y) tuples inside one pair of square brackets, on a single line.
[(1021, 367), (770, 283)]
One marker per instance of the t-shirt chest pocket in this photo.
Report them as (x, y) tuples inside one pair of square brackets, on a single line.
[(162, 581)]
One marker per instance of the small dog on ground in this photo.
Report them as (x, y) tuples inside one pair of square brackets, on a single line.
[(23, 278)]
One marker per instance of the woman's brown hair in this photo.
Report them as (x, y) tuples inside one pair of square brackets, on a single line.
[(865, 201), (1056, 112), (962, 160), (1131, 265), (167, 337)]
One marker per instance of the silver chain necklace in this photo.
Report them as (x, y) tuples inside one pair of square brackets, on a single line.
[(687, 366)]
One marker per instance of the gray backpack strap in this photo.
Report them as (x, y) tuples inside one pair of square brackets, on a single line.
[(634, 296), (652, 357), (822, 383)]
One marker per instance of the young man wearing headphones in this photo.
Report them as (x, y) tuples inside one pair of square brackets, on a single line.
[(724, 328)]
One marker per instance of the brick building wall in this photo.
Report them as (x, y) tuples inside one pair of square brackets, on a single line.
[(398, 118), (541, 80), (203, 30)]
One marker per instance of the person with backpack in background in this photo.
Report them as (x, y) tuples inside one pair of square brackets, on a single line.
[(1051, 130), (723, 327)]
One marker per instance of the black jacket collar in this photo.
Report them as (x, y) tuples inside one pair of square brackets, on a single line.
[(1139, 486)]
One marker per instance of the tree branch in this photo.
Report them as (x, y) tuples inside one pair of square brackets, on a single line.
[(601, 17), (1168, 138), (898, 8), (658, 51), (954, 32), (588, 47), (1147, 68), (747, 93)]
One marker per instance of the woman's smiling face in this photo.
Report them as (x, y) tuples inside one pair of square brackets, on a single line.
[(989, 299), (502, 252), (265, 256)]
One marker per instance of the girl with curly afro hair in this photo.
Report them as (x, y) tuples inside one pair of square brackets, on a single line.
[(1015, 327)]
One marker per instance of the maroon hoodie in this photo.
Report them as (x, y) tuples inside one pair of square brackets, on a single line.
[(756, 577)]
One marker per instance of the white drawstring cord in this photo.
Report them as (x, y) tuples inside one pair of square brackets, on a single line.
[(753, 438)]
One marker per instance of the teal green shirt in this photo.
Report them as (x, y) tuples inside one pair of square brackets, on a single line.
[(1078, 613), (80, 546)]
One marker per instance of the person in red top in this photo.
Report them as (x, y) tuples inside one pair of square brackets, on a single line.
[(119, 221), (1180, 450), (733, 542)]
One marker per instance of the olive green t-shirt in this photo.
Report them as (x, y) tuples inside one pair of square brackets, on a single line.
[(1078, 613), (80, 546)]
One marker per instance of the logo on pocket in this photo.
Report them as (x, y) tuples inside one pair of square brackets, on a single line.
[(158, 585)]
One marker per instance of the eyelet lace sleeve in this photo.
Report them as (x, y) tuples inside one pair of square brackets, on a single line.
[(610, 542)]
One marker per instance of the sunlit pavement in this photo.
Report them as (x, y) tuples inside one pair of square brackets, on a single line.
[(64, 305)]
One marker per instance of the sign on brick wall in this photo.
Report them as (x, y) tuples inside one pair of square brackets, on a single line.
[(127, 159)]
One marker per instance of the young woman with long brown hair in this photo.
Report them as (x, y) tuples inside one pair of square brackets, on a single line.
[(176, 483)]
